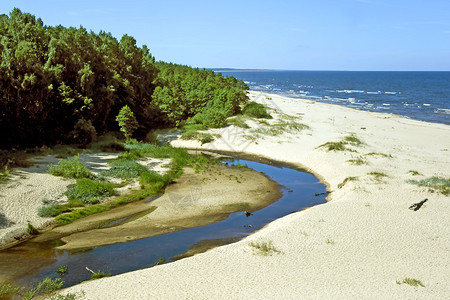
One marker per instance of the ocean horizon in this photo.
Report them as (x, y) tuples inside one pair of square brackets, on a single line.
[(419, 95)]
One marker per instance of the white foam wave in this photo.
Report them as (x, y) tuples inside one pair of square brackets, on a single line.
[(442, 111)]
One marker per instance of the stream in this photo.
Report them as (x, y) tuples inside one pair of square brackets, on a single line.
[(300, 190)]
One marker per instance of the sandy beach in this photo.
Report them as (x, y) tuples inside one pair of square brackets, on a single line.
[(362, 244)]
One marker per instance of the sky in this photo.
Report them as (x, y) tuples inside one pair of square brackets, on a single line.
[(365, 35)]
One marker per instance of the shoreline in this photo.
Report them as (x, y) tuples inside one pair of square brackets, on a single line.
[(362, 244)]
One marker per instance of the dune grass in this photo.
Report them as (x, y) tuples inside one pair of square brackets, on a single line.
[(264, 248), (348, 179), (434, 184), (256, 110), (341, 145)]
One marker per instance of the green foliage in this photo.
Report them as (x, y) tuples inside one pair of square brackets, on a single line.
[(438, 184), (8, 290), (127, 121), (185, 92), (89, 191), (31, 230), (48, 285), (52, 210), (256, 110), (62, 270), (4, 175), (264, 248), (76, 214), (125, 169), (70, 168), (100, 274)]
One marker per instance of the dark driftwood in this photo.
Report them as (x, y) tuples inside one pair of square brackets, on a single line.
[(418, 205)]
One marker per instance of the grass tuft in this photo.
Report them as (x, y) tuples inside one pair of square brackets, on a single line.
[(411, 282), (341, 185), (414, 172), (378, 176), (264, 248), (100, 274), (358, 161), (434, 184)]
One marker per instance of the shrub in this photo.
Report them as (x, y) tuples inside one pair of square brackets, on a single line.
[(151, 177), (70, 168), (48, 286), (256, 110), (89, 191)]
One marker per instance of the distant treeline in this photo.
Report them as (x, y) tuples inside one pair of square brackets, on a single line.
[(67, 85)]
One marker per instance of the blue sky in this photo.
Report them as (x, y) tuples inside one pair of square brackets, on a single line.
[(293, 35)]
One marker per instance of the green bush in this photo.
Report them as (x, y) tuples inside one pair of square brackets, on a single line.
[(48, 286), (89, 191), (70, 168), (256, 110)]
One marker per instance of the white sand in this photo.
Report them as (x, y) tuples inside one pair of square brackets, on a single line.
[(354, 247)]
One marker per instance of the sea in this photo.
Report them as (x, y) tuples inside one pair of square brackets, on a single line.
[(421, 96)]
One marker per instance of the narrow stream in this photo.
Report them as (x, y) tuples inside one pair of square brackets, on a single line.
[(300, 190)]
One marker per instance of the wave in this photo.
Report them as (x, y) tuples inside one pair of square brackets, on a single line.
[(442, 111), (349, 91)]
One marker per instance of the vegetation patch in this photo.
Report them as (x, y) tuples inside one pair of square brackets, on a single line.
[(238, 121), (264, 248), (100, 274), (342, 145), (341, 185), (434, 184), (379, 154), (256, 110), (124, 169), (70, 168), (89, 191), (378, 176), (358, 161), (411, 282), (414, 172)]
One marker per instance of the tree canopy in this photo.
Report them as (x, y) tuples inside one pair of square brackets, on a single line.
[(67, 85)]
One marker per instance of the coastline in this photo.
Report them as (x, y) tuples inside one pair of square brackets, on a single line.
[(361, 244)]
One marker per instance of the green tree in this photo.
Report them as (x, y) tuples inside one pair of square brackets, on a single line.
[(127, 121)]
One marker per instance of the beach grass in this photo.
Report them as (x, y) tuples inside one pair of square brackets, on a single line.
[(264, 248), (358, 161), (256, 110), (434, 184), (341, 145), (411, 282), (378, 176), (347, 179)]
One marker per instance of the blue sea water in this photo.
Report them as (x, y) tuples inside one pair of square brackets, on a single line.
[(422, 96)]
